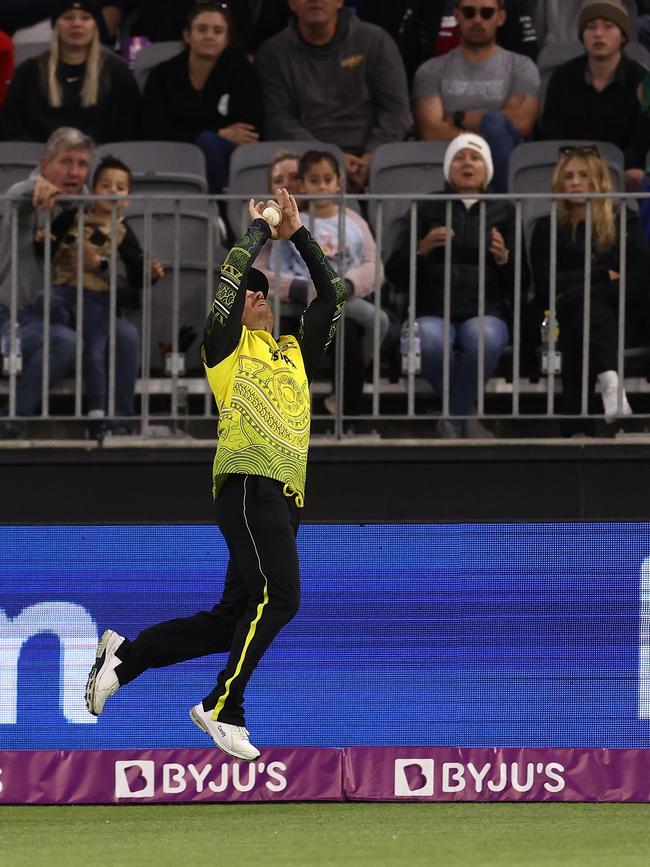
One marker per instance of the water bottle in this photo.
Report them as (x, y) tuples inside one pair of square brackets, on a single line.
[(410, 350), (549, 332), (11, 362)]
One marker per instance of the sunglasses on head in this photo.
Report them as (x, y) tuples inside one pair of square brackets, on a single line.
[(469, 12), (580, 150)]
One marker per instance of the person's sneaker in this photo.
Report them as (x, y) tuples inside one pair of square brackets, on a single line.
[(608, 381), (476, 430), (447, 430), (233, 740), (102, 681)]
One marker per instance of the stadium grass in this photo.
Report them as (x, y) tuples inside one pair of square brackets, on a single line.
[(327, 835)]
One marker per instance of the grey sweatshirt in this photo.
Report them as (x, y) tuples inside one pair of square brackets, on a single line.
[(351, 92), (30, 270)]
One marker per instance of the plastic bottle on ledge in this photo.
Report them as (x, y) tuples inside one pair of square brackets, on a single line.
[(411, 354), (11, 362), (549, 332)]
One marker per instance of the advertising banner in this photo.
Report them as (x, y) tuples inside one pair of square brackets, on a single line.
[(452, 774), (167, 776)]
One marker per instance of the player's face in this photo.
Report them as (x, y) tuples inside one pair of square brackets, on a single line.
[(257, 315), (76, 28), (208, 35), (602, 38), (67, 170), (468, 172), (321, 179), (575, 179), (285, 174), (475, 29), (111, 182)]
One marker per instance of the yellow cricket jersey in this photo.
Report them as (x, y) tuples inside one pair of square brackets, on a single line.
[(262, 395)]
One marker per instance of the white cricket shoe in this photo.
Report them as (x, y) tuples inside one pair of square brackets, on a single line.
[(233, 740), (102, 681)]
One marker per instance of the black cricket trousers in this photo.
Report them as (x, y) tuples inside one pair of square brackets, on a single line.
[(261, 595)]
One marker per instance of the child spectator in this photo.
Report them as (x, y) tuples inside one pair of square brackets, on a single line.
[(208, 94), (76, 83), (319, 174), (112, 178)]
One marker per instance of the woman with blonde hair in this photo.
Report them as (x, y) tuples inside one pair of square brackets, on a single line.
[(582, 170), (76, 83)]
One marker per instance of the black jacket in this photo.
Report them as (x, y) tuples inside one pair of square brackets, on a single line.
[(499, 280), (574, 109), (27, 115), (175, 111), (570, 271)]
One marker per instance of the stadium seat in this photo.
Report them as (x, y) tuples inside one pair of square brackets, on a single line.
[(17, 160), (403, 167), (24, 50), (196, 229), (249, 167), (151, 55), (161, 166)]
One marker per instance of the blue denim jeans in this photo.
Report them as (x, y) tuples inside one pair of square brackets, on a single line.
[(29, 384), (95, 346), (497, 129), (463, 358), (217, 152)]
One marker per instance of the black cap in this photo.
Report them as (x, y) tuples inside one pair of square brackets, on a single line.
[(256, 281), (92, 7)]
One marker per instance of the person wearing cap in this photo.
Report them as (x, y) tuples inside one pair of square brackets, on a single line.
[(478, 87), (75, 83), (261, 387), (468, 170), (557, 20), (594, 97)]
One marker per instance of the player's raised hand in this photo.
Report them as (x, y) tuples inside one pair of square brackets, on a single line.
[(291, 221), (256, 213)]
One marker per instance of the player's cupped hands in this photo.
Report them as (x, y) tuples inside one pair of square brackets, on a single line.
[(291, 221)]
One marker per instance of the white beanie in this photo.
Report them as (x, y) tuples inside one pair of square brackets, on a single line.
[(477, 143)]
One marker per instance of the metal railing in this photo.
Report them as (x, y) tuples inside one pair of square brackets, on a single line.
[(172, 388)]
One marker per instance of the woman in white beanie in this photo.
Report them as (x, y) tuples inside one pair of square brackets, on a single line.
[(468, 170)]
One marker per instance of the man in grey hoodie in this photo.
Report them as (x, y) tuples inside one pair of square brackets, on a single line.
[(333, 78)]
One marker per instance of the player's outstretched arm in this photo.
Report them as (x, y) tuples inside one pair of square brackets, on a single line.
[(223, 325)]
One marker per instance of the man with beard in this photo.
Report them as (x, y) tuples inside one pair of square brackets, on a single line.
[(478, 87)]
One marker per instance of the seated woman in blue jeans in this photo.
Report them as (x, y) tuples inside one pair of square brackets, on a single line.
[(468, 171)]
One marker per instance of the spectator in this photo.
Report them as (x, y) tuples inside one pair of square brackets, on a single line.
[(428, 28), (319, 174), (76, 83), (595, 96), (63, 171), (6, 65), (208, 94), (557, 20), (333, 78), (165, 20), (112, 178), (478, 87), (468, 170), (582, 170)]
